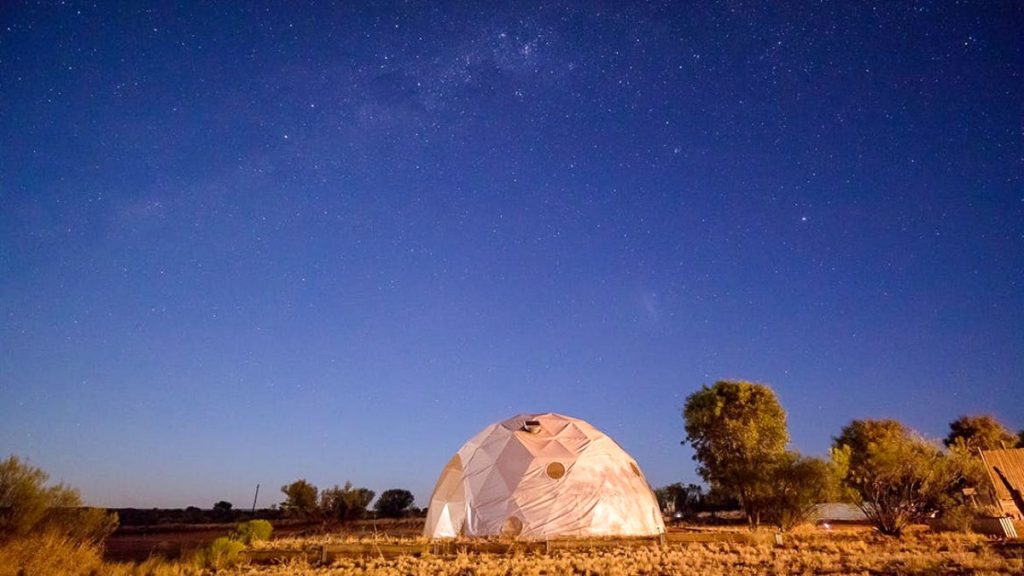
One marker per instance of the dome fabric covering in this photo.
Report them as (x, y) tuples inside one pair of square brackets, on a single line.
[(540, 476)]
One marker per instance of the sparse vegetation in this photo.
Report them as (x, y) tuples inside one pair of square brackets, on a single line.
[(252, 531)]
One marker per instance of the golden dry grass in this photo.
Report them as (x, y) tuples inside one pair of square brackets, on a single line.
[(843, 553), (838, 553), (46, 554)]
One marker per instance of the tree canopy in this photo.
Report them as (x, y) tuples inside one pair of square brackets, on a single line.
[(893, 475), (738, 433), (345, 503), (393, 503), (300, 497), (979, 432)]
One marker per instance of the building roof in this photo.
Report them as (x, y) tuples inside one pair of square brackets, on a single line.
[(1006, 470)]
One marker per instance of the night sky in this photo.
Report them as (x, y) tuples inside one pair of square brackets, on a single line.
[(253, 244)]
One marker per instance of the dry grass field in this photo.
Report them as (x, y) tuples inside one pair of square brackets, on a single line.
[(392, 551), (850, 552)]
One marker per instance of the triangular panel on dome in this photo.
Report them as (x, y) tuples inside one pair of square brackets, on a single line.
[(513, 461)]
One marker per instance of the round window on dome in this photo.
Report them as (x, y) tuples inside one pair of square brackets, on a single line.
[(556, 470), (512, 526), (635, 469)]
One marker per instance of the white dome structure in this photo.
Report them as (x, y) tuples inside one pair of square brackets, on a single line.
[(539, 476)]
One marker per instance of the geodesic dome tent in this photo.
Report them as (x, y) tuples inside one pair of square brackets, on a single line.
[(539, 476)]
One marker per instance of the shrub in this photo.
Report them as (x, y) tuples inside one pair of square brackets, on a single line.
[(799, 484), (28, 506), (954, 518), (25, 499), (221, 553), (48, 553), (252, 531), (82, 524)]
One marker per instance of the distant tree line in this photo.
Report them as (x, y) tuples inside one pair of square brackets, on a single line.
[(739, 434), (344, 503), (221, 513)]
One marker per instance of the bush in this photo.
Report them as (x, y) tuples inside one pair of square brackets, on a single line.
[(81, 524), (48, 553), (29, 507), (252, 531), (800, 483), (955, 518), (25, 499), (221, 553)]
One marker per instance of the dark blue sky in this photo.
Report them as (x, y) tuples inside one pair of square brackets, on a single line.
[(244, 245)]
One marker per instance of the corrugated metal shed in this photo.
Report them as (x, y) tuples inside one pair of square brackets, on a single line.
[(1006, 470)]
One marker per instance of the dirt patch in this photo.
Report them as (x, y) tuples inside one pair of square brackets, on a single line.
[(173, 541)]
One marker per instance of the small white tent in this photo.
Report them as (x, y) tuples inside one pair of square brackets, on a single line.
[(540, 476)]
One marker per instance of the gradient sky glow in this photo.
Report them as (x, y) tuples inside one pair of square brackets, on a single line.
[(244, 245)]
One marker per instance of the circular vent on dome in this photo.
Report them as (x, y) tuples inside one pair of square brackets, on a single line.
[(635, 469), (512, 526), (556, 470)]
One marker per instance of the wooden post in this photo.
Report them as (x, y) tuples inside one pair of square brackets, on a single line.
[(992, 479)]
